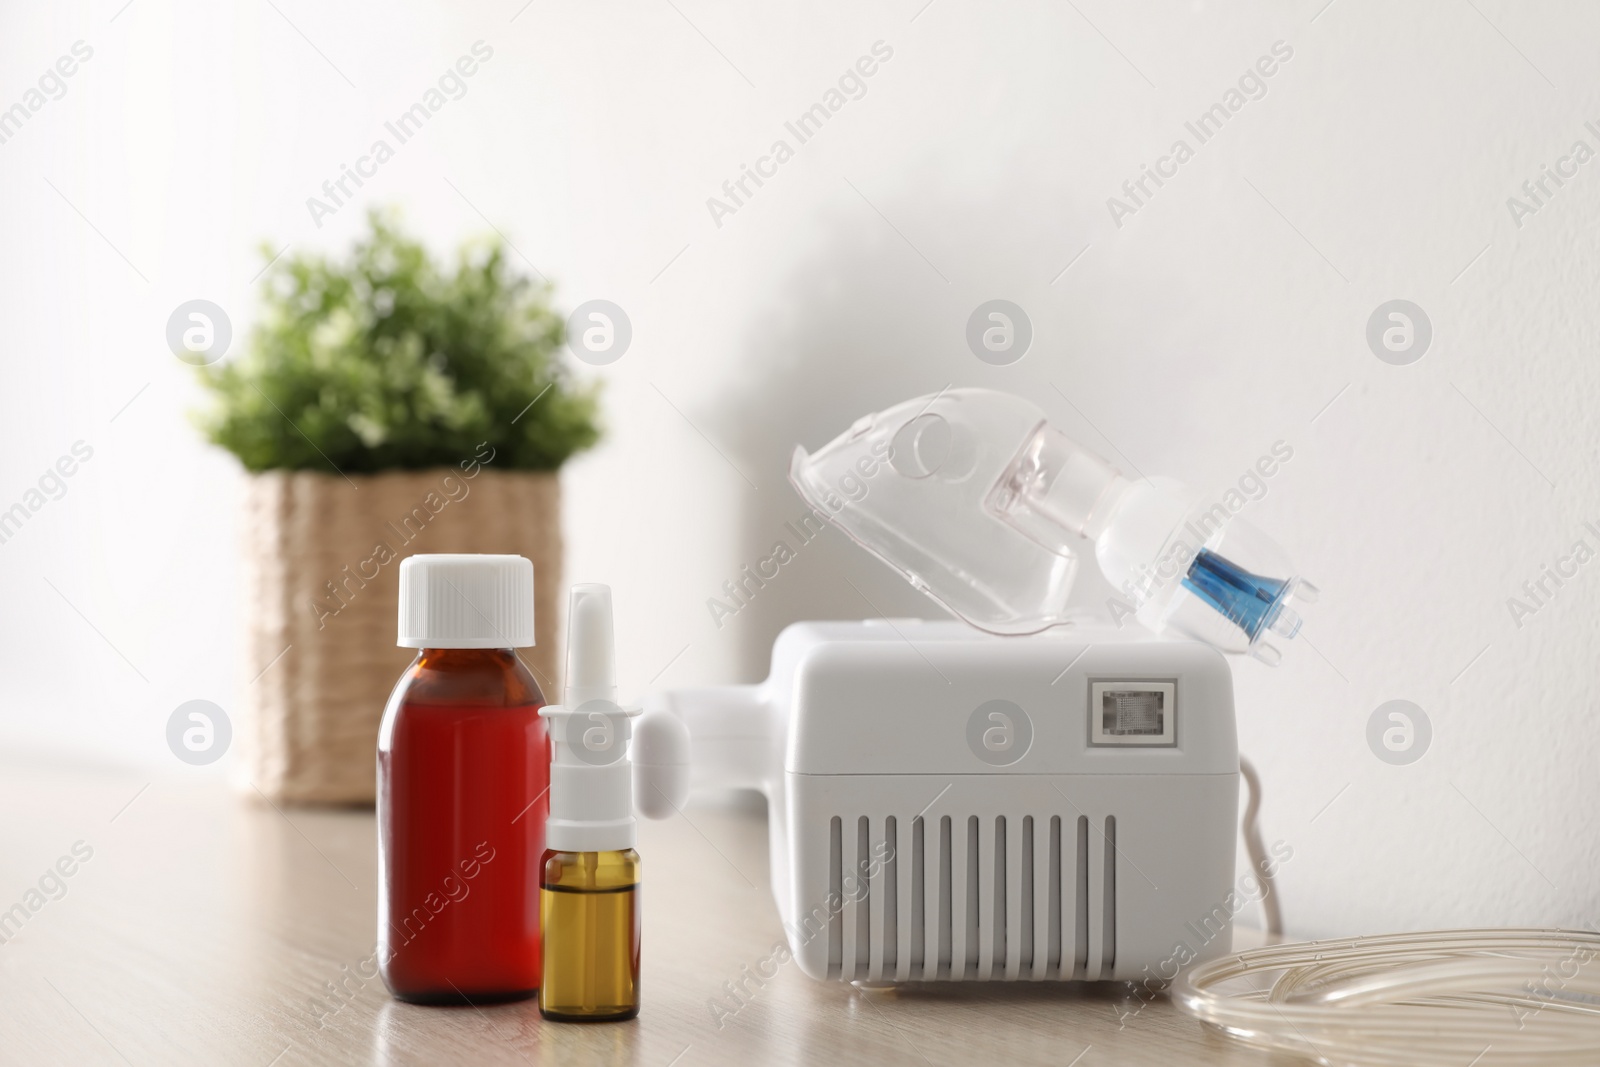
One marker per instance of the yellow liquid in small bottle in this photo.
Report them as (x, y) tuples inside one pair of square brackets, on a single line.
[(589, 916)]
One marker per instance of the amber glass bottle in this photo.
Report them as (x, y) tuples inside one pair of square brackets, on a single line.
[(592, 899), (463, 776)]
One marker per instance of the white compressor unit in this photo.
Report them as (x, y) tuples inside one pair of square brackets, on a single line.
[(950, 805)]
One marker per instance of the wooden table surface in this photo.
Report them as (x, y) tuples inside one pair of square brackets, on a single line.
[(208, 927)]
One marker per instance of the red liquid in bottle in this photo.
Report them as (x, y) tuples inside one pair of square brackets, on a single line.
[(463, 794)]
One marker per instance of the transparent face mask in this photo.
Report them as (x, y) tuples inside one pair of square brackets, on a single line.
[(909, 484), (981, 504)]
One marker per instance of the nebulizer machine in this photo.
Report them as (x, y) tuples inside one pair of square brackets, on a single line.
[(1028, 794)]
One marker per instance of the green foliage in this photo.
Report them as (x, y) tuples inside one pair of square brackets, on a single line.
[(386, 362)]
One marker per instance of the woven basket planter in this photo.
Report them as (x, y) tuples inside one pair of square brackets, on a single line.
[(321, 565)]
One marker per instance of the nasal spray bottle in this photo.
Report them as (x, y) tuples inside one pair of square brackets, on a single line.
[(589, 885)]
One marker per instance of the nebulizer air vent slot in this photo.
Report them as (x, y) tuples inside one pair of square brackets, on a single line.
[(888, 878)]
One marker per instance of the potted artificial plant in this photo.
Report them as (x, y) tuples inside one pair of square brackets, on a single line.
[(383, 407)]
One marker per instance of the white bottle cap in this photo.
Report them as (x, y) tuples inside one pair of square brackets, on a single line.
[(466, 601), (591, 779)]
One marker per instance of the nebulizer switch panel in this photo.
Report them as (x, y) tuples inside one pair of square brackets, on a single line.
[(1133, 713)]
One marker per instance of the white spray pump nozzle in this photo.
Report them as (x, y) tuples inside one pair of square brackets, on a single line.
[(591, 780), (591, 646)]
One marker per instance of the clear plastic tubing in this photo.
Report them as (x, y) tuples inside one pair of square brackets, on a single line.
[(1448, 998)]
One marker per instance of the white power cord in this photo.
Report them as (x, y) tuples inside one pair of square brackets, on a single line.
[(1263, 869), (1449, 998)]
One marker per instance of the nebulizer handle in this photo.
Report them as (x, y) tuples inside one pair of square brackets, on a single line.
[(730, 739)]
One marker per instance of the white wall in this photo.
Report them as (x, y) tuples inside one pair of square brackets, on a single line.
[(1222, 317)]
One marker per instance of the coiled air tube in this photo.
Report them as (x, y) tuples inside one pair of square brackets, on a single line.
[(1449, 998)]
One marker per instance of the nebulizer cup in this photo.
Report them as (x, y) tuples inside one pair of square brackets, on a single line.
[(983, 505)]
